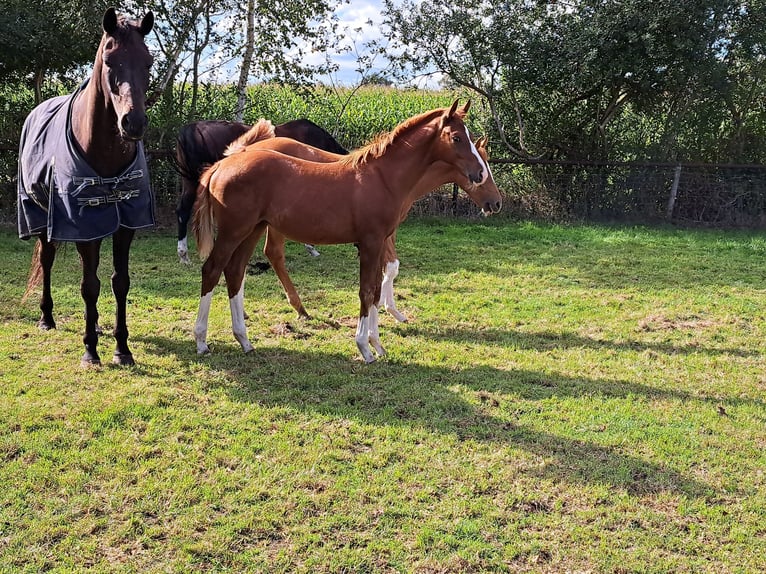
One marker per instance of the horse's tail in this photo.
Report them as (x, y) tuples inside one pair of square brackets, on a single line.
[(35, 271), (204, 222), (182, 161), (261, 130)]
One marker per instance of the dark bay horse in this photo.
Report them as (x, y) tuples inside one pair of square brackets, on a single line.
[(358, 199), (486, 196), (202, 143), (83, 176)]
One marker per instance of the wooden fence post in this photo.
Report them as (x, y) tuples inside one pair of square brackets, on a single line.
[(673, 193)]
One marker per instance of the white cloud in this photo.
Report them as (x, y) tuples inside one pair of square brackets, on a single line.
[(359, 23)]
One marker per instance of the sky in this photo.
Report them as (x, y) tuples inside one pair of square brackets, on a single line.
[(359, 22), (363, 21), (357, 15)]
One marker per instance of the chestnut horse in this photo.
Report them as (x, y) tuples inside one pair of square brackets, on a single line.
[(358, 199), (202, 143), (87, 178), (261, 136)]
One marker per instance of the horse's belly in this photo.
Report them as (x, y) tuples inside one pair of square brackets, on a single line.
[(316, 225)]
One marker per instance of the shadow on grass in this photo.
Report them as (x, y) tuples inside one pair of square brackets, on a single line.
[(390, 393), (546, 340)]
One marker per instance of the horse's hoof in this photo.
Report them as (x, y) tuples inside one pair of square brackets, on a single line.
[(44, 325), (303, 315), (88, 362), (123, 359)]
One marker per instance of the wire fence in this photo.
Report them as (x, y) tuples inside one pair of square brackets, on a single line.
[(719, 195)]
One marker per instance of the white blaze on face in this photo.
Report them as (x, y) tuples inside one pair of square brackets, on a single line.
[(484, 172)]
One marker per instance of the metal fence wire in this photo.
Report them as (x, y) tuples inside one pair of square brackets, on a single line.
[(718, 195)]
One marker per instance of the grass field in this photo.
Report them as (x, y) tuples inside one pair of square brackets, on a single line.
[(564, 399)]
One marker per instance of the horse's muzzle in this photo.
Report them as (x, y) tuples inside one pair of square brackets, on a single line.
[(491, 207), (133, 126)]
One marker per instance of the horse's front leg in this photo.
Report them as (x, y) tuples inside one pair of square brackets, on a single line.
[(45, 256), (370, 273), (390, 264), (183, 214), (121, 242), (90, 287)]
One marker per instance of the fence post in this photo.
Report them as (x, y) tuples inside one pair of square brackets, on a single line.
[(673, 193), (454, 199)]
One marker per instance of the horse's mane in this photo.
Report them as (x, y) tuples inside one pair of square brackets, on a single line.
[(263, 129), (381, 143)]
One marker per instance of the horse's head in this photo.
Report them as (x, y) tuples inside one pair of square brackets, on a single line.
[(456, 148), (486, 195), (125, 71)]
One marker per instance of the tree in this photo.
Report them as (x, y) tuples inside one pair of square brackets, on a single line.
[(557, 76), (48, 36), (268, 40)]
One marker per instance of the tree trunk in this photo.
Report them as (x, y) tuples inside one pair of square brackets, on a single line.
[(247, 59), (39, 77)]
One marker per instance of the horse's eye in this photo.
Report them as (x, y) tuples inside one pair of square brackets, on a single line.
[(456, 139)]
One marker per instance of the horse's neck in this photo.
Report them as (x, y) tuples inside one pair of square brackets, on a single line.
[(95, 131), (402, 167)]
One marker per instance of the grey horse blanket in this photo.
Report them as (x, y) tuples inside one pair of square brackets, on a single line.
[(61, 195)]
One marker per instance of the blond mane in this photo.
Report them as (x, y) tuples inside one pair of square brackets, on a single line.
[(263, 129), (381, 143)]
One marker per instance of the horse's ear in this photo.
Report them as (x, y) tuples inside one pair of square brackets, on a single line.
[(466, 107), (110, 21), (446, 117), (482, 142), (147, 23)]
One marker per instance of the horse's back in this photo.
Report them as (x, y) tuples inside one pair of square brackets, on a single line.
[(203, 142), (295, 148), (309, 133)]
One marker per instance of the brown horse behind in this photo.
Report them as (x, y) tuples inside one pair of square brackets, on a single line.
[(358, 199)]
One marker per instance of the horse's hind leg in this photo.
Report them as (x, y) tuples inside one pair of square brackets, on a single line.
[(90, 287), (121, 242), (235, 277), (274, 249), (219, 258), (47, 255)]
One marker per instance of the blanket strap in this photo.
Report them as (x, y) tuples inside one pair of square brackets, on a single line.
[(83, 182), (104, 199)]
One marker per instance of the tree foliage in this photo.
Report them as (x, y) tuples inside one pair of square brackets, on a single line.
[(561, 77), (208, 40), (48, 36)]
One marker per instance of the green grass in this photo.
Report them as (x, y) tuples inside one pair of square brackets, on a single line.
[(564, 399)]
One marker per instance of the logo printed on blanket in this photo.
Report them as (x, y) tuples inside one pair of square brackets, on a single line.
[(61, 195)]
